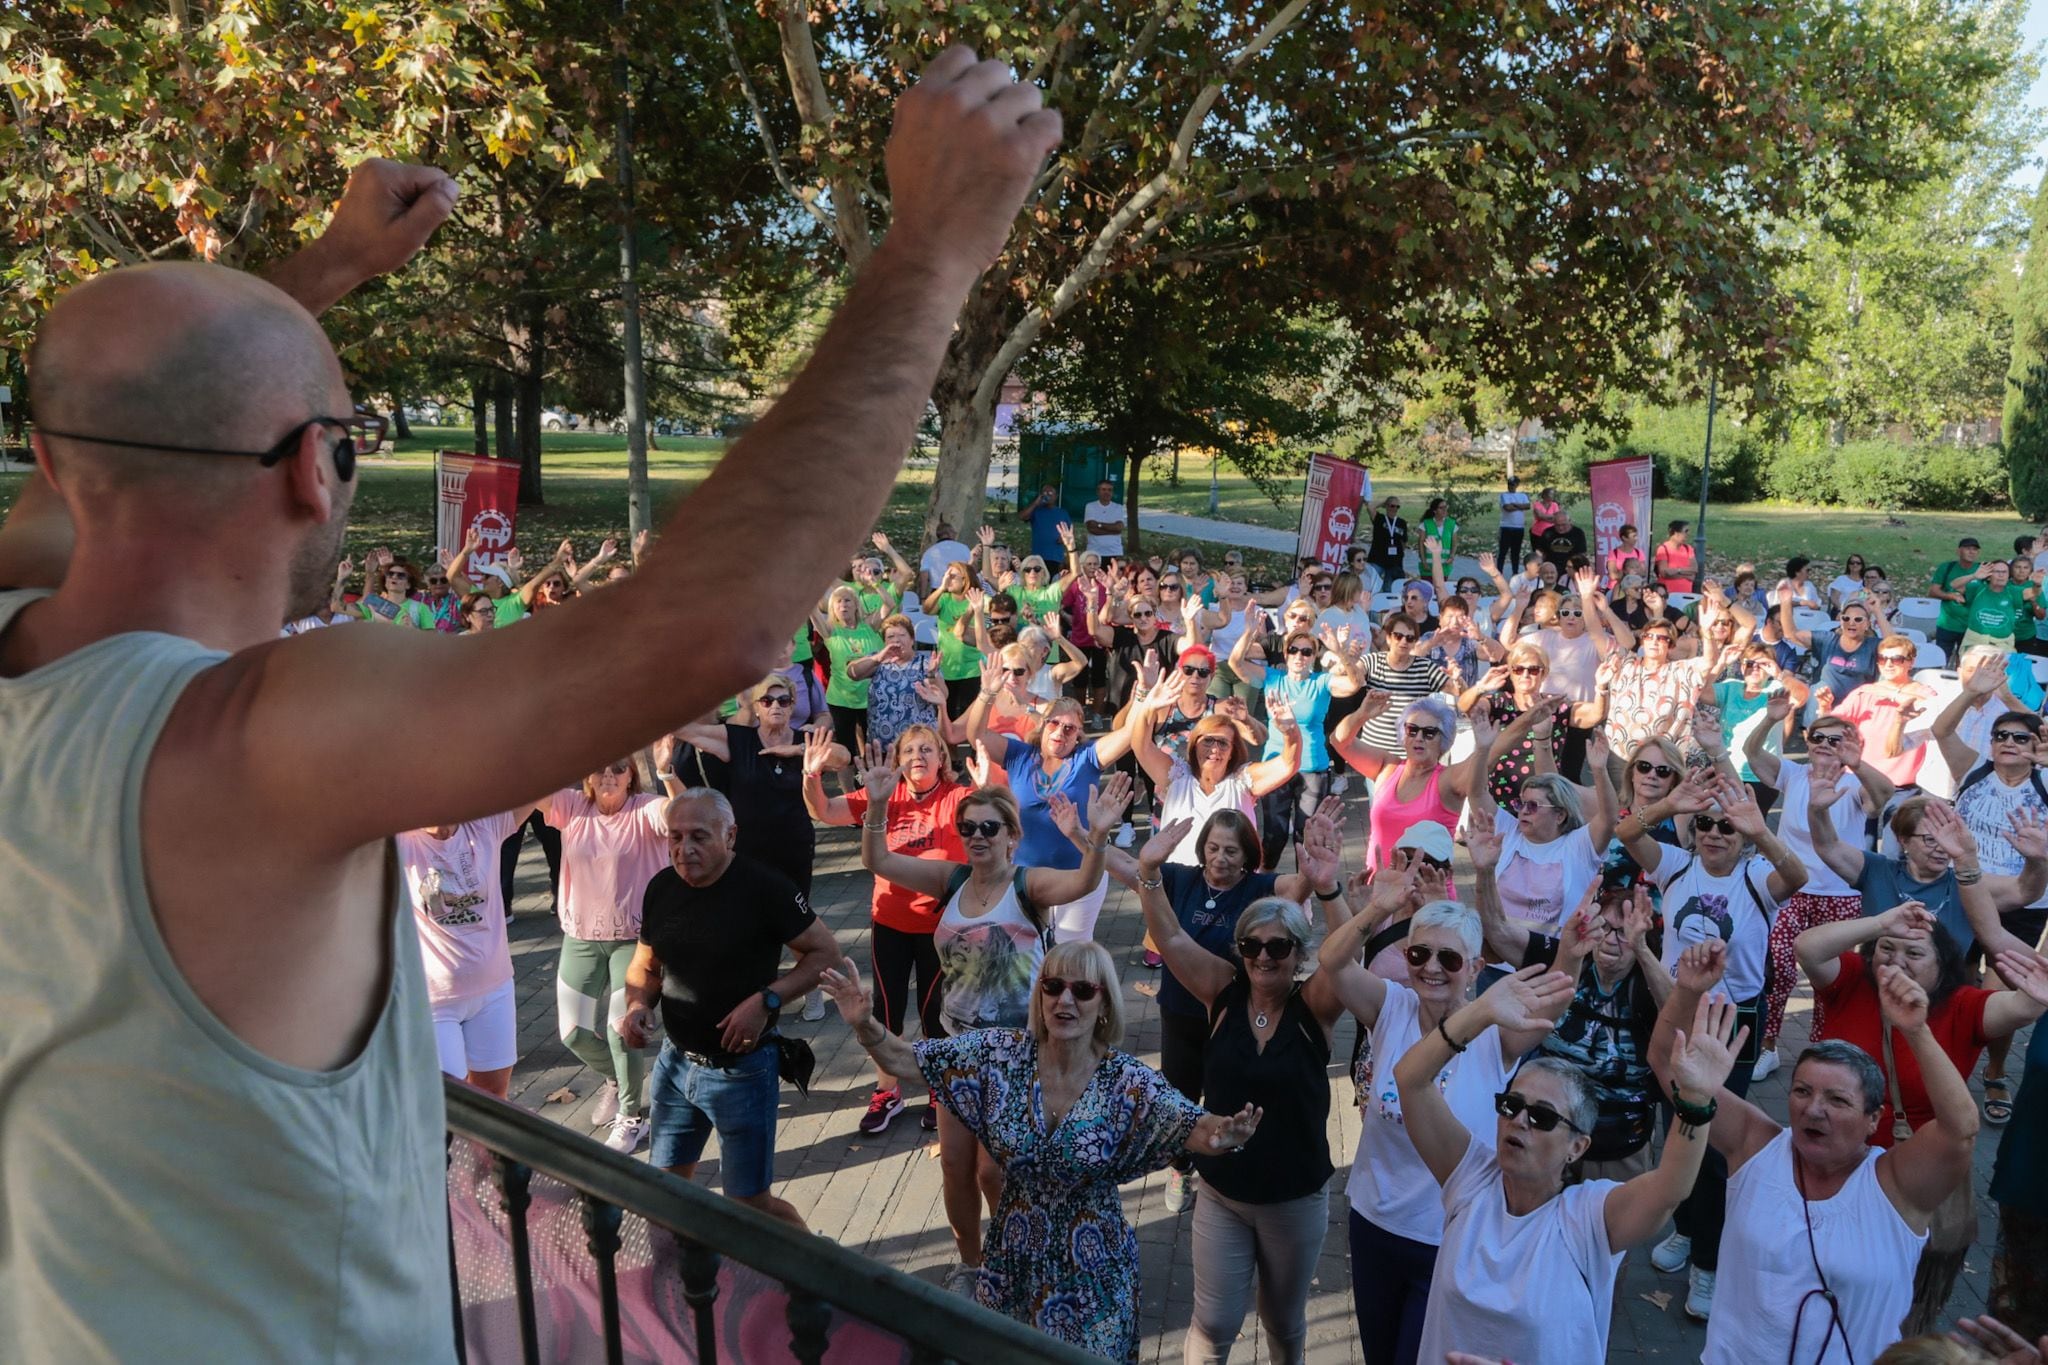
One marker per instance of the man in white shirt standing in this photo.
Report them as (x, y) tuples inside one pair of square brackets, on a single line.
[(1514, 520), (931, 565), (1105, 520)]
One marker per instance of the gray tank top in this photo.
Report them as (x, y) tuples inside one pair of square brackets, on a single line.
[(167, 1192)]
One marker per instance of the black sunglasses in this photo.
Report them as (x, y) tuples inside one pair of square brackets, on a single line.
[(1275, 948), (1305, 651), (1827, 739), (1422, 731), (1189, 670), (1449, 959), (776, 699), (1541, 1117), (987, 829), (1712, 824), (1052, 986), (1643, 765), (358, 433), (2012, 737)]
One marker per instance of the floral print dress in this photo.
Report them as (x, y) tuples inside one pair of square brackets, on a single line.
[(1060, 1255)]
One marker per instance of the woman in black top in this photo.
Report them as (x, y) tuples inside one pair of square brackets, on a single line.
[(1264, 1207)]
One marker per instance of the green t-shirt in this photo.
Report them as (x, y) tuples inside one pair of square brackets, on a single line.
[(1954, 615), (1037, 603), (1738, 706), (509, 609), (418, 615), (885, 601), (1442, 532), (1994, 614), (845, 646), (800, 646), (957, 658)]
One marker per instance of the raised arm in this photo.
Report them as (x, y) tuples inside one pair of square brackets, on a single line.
[(929, 876), (1980, 679), (818, 755), (890, 1052), (1252, 671), (1271, 774), (1508, 939), (1107, 801), (1921, 1172), (1788, 871), (1740, 1129), (1201, 971), (1844, 860), (1143, 718), (1765, 764), (1820, 948), (1700, 1064), (1983, 897)]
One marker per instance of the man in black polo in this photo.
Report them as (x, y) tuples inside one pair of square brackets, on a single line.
[(712, 930)]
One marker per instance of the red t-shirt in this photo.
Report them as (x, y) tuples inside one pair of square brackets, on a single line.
[(1853, 1016), (921, 829)]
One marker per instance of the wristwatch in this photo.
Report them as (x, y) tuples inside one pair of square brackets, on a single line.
[(771, 1001)]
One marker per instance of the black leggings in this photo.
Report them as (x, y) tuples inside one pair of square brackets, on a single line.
[(893, 955), (1510, 555), (848, 723), (1390, 1277), (1183, 1043), (1705, 1210), (550, 847), (1284, 810)]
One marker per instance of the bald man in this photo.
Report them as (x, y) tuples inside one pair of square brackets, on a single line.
[(222, 1131)]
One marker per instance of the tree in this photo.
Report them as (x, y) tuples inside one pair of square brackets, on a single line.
[(1549, 199), (2026, 397)]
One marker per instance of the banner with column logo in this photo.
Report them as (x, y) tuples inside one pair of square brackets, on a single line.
[(479, 493), (1621, 497), (1329, 507)]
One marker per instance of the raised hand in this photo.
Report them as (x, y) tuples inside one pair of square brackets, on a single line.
[(1107, 801), (1281, 712), (605, 550), (1155, 850), (987, 536), (1637, 917), (514, 562), (565, 553), (1495, 678), (1739, 806), (1392, 885), (1702, 1059), (843, 985), (665, 753), (981, 765), (879, 778), (1597, 749), (2027, 833), (1778, 706), (1907, 919), (1941, 823), (1431, 884), (1987, 678), (1695, 792), (1902, 999), (1527, 1000), (930, 689), (1375, 705), (1066, 530), (1064, 816), (473, 542), (1486, 563), (1701, 966), (1237, 1130), (1319, 853), (1994, 1339), (343, 571), (993, 679), (1483, 843), (2024, 973), (1148, 670), (817, 752)]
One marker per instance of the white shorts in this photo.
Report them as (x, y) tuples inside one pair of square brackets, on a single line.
[(477, 1034), (1075, 920)]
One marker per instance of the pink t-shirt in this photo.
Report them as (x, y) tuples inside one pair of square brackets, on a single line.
[(1872, 710), (458, 905), (607, 861)]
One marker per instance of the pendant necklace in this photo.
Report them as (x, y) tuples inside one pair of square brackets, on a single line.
[(1259, 1019)]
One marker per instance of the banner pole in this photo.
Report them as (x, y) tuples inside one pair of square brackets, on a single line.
[(1699, 556)]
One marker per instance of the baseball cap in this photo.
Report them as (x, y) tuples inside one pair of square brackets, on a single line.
[(499, 572), (1428, 838), (1968, 542)]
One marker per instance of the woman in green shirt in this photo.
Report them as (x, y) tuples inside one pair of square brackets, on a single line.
[(847, 637), (1440, 526), (1038, 594), (387, 594), (1993, 604), (959, 660)]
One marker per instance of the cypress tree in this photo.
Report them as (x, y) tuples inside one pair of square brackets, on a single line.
[(2026, 385)]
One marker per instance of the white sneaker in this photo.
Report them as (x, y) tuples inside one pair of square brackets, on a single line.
[(962, 1279), (607, 1107), (1765, 1065), (628, 1132), (1180, 1188), (1699, 1294), (1125, 835), (1340, 784), (1671, 1254), (814, 1007)]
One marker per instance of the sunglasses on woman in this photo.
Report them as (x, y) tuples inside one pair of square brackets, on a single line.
[(1645, 767), (1192, 671), (987, 829), (2012, 737), (1541, 1116), (1714, 825), (1308, 651), (1275, 948), (1569, 615), (1522, 805), (1422, 731), (1053, 986), (776, 699), (1528, 670), (1448, 958)]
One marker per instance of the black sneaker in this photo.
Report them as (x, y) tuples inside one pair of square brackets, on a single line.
[(928, 1119), (883, 1105)]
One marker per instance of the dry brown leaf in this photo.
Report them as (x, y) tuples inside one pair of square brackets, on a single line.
[(1657, 1299), (563, 1096)]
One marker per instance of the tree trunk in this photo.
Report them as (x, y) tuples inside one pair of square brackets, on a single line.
[(1134, 544), (528, 339), (400, 428), (479, 395), (501, 414), (960, 486)]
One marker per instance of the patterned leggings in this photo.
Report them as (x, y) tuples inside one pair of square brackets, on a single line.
[(1801, 913)]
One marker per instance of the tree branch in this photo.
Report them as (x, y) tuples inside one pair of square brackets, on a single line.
[(814, 108), (739, 68), (1090, 141)]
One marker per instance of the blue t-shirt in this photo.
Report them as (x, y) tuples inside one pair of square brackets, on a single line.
[(1844, 670), (1045, 533), (1884, 883), (1043, 845), (1214, 927), (1310, 698)]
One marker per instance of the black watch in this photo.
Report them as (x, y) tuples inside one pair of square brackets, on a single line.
[(771, 1001)]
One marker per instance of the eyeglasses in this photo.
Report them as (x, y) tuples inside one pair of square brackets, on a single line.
[(1422, 731), (1711, 825), (436, 581), (2012, 737), (1144, 616), (1274, 948), (1191, 671), (1528, 670), (480, 608), (1895, 658), (616, 769), (987, 829), (1522, 805), (996, 620), (776, 699), (1827, 739), (1053, 986), (1450, 959), (1304, 651), (1645, 767), (1028, 572), (1017, 672), (358, 433), (1755, 665), (1320, 587), (1662, 637), (1541, 1117)]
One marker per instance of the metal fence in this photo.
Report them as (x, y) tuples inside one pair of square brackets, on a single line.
[(566, 1251)]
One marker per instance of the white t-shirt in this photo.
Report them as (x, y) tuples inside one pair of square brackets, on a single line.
[(1390, 1186), (1699, 906), (1224, 638), (458, 906), (1514, 509), (1184, 799), (1573, 664), (1794, 782), (607, 861), (1106, 546), (944, 552), (1537, 1290), (1844, 585), (1540, 883), (1803, 594)]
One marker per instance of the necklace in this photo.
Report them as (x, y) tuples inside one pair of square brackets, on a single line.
[(1259, 1019)]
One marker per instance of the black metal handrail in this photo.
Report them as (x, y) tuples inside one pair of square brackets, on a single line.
[(818, 1274)]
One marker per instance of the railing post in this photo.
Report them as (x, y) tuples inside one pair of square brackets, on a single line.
[(700, 1291), (516, 1181), (601, 1221), (810, 1317)]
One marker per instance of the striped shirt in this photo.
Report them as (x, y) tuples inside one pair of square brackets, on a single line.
[(1418, 679)]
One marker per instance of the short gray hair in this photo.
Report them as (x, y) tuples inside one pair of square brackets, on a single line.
[(712, 797), (1562, 793), (1035, 638), (1835, 1052), (1456, 916), (1276, 910), (1582, 1104), (1438, 711)]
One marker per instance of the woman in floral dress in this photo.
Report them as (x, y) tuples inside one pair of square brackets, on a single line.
[(1070, 1118)]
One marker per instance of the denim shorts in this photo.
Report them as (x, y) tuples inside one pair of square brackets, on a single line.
[(690, 1102)]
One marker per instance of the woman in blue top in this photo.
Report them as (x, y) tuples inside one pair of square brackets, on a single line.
[(1051, 760), (1307, 689)]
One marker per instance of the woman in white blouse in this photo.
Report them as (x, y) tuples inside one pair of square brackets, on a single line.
[(1550, 846)]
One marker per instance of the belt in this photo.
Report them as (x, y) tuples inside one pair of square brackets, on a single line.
[(720, 1061)]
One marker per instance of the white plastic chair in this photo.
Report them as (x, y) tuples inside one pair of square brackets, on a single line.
[(927, 629), (1929, 655), (1919, 608), (1681, 600), (1806, 618), (1385, 601), (1917, 636)]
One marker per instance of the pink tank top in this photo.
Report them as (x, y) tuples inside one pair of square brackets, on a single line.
[(1678, 566), (1391, 817)]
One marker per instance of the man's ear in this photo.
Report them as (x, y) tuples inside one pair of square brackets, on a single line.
[(314, 482)]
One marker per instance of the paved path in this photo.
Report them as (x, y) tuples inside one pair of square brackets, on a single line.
[(880, 1195)]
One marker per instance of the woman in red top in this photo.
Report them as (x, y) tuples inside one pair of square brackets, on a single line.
[(1673, 563), (1842, 960), (922, 810)]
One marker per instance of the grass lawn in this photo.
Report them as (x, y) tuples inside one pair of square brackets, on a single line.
[(585, 487)]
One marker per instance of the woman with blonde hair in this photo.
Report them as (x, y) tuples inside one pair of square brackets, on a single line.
[(903, 690), (1514, 685), (848, 637), (952, 605)]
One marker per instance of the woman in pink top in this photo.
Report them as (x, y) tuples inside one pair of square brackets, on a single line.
[(613, 842), (1543, 513), (1673, 563), (1421, 786), (1882, 710)]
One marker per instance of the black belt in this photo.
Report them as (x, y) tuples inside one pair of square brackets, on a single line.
[(718, 1061)]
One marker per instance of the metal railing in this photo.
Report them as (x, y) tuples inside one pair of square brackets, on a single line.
[(557, 1242)]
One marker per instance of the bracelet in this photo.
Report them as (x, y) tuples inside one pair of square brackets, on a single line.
[(1153, 885), (882, 828), (1692, 1115), (1456, 1046), (668, 776), (1969, 878), (1338, 894)]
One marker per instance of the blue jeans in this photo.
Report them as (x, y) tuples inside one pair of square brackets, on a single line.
[(1390, 1277), (738, 1102)]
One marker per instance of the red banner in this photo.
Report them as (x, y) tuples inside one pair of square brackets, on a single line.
[(480, 493), (1621, 497), (1329, 507)]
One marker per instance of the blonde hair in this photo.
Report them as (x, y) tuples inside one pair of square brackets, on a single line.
[(1083, 960), (839, 591), (1527, 651), (635, 784)]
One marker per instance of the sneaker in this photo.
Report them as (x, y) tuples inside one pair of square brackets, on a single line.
[(1153, 961), (628, 1132), (814, 1007), (1125, 835), (1699, 1294), (1671, 1254), (1180, 1188), (607, 1107), (1340, 784), (928, 1118), (962, 1279), (883, 1105), (1765, 1065)]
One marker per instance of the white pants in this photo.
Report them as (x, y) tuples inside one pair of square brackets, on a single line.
[(1075, 921), (478, 1034)]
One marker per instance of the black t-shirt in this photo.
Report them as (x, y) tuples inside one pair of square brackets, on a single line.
[(1558, 545), (767, 795), (718, 944), (1608, 1038), (1129, 653)]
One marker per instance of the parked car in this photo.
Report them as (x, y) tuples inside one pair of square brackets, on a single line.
[(554, 419)]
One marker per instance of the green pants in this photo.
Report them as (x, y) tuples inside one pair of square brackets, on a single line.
[(590, 995)]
